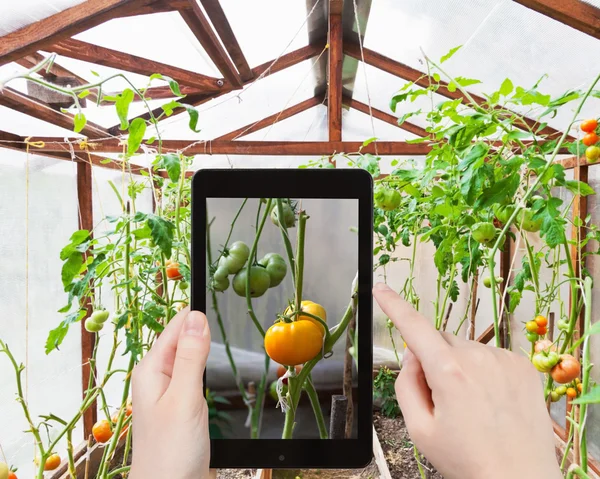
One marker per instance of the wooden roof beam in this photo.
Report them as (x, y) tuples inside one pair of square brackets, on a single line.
[(334, 71), (202, 30), (88, 52), (423, 80), (222, 26), (25, 104), (386, 117), (577, 14), (39, 35), (272, 119)]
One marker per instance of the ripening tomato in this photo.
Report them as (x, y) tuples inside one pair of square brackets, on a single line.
[(102, 431), (281, 370), (580, 387), (235, 257), (275, 266), (544, 362), (293, 343), (554, 396), (259, 282), (561, 390), (541, 320), (544, 345), (3, 471), (571, 393), (173, 272), (592, 153), (589, 125), (542, 330), (590, 139), (12, 475), (288, 215), (567, 369), (387, 199), (310, 308), (531, 326), (484, 232), (52, 462)]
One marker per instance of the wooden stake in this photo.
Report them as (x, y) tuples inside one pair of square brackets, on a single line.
[(337, 423)]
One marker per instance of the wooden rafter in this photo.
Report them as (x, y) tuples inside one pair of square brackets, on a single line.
[(83, 16), (88, 52), (37, 109), (577, 14), (422, 79), (386, 117), (239, 147), (334, 71), (159, 6), (264, 70), (219, 20), (202, 30), (272, 119)]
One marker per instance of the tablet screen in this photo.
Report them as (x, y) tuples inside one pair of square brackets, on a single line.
[(274, 371)]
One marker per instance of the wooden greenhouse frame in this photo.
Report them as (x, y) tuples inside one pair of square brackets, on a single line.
[(330, 38)]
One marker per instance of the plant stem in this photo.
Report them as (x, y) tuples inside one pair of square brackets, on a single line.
[(573, 315), (302, 217), (586, 366), (286, 239), (316, 406), (259, 401)]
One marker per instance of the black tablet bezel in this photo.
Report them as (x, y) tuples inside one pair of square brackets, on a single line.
[(295, 183)]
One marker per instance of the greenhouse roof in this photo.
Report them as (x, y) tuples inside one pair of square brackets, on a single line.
[(258, 71)]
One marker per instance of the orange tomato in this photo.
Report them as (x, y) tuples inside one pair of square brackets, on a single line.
[(580, 387), (566, 370), (590, 125), (52, 462), (173, 271), (544, 345), (293, 343), (12, 475), (281, 370), (541, 321), (541, 330), (590, 139), (571, 393), (311, 308), (102, 431)]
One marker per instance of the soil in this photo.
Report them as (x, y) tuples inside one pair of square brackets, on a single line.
[(398, 449)]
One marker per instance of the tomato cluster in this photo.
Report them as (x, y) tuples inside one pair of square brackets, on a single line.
[(572, 390), (6, 472), (590, 139), (536, 328), (95, 322), (289, 216)]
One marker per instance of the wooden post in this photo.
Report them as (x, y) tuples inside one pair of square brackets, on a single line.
[(505, 260), (474, 304), (336, 57), (337, 423), (347, 386), (86, 221)]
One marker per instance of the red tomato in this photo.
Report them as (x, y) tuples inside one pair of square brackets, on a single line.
[(173, 271), (590, 139), (590, 125), (541, 330), (12, 475), (566, 370)]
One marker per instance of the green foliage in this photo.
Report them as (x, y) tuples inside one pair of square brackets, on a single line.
[(383, 390)]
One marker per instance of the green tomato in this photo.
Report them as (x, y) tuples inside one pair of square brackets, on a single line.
[(275, 266), (525, 220), (288, 215), (221, 273), (561, 390), (237, 255), (220, 284), (383, 230), (183, 285), (484, 233), (592, 153), (532, 337), (487, 281), (544, 362), (92, 326), (563, 325), (503, 212), (387, 199), (554, 396), (100, 316), (259, 282), (273, 390)]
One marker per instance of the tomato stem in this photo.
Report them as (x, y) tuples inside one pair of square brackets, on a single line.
[(316, 405), (286, 239), (302, 217)]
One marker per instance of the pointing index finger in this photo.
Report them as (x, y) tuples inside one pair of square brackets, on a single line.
[(419, 334)]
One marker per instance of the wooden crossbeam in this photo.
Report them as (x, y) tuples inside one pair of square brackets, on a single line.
[(577, 14), (422, 79), (39, 35), (88, 52), (267, 148), (37, 109), (160, 6), (272, 119), (219, 20), (334, 71), (202, 30), (386, 117)]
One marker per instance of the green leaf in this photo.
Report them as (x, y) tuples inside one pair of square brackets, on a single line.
[(142, 233), (506, 88), (193, 114), (397, 99), (137, 130), (79, 122), (71, 268), (168, 108), (77, 238), (406, 116), (172, 164), (369, 141), (449, 55), (591, 397), (122, 103), (579, 188), (370, 163), (57, 335), (84, 93), (499, 191), (162, 233), (514, 300)]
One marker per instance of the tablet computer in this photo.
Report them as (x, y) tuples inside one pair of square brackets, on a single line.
[(287, 386)]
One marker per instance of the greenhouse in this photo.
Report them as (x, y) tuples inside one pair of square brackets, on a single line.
[(476, 119)]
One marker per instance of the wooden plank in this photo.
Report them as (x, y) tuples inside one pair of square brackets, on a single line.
[(25, 104), (334, 71), (300, 148), (272, 119), (88, 340), (487, 335), (505, 262), (219, 20), (386, 117), (575, 13), (61, 25), (380, 460), (160, 6), (422, 79), (202, 30), (80, 50)]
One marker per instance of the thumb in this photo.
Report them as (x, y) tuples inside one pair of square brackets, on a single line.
[(193, 346)]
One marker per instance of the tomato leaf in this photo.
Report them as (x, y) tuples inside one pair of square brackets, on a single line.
[(579, 188), (591, 397), (58, 334), (79, 122), (499, 191), (172, 164), (506, 88), (137, 129), (369, 141), (122, 102), (449, 55), (77, 238), (162, 233), (71, 268)]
